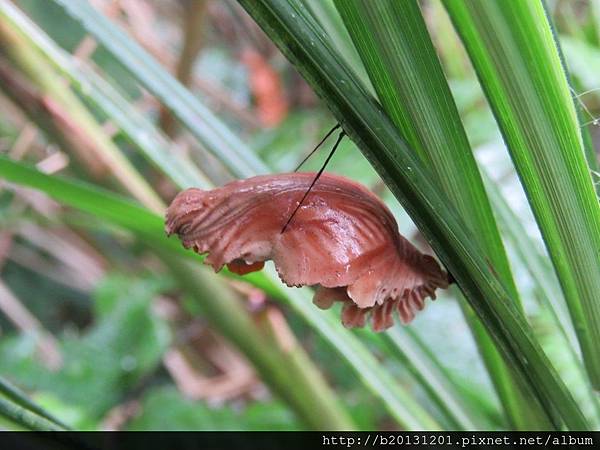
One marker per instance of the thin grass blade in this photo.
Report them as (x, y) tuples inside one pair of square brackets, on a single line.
[(14, 394), (136, 127)]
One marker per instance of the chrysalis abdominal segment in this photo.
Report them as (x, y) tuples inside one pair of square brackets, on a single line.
[(333, 149)]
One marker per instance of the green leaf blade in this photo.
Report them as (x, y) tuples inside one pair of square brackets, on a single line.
[(290, 26), (396, 48), (513, 51)]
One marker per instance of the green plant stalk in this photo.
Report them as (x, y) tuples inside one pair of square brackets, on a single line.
[(443, 382), (395, 46), (25, 418), (520, 407), (513, 51), (539, 267), (300, 38), (535, 261), (434, 379), (210, 132), (15, 395)]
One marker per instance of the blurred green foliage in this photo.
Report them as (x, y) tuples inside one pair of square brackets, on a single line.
[(164, 408), (122, 346)]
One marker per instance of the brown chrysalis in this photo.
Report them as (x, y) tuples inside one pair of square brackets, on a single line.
[(342, 239)]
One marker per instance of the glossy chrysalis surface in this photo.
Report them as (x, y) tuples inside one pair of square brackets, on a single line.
[(342, 239)]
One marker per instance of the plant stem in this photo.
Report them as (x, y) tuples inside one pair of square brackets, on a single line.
[(26, 418), (22, 400), (289, 372)]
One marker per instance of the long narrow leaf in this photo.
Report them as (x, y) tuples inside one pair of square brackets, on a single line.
[(433, 378), (13, 393), (394, 44), (540, 269), (296, 33), (536, 263), (513, 51), (48, 99), (25, 418), (146, 137)]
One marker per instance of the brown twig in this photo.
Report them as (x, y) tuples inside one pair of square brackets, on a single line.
[(193, 30), (80, 263), (236, 376)]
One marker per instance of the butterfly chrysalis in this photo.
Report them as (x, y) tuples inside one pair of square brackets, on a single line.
[(320, 230)]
